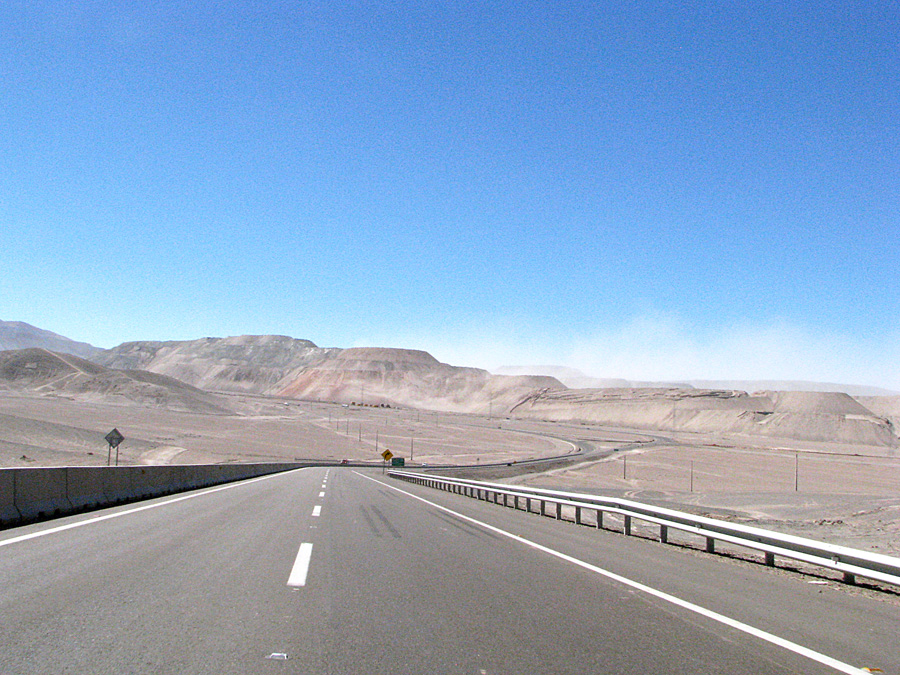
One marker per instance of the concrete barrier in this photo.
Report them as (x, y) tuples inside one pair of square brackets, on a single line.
[(34, 493), (144, 481), (116, 485), (8, 511), (41, 493), (84, 487)]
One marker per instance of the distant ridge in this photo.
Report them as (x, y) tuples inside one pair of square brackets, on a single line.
[(409, 377), (245, 363), (283, 366), (20, 335), (575, 379), (812, 416)]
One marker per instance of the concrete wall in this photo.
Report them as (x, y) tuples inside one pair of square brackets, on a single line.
[(35, 493)]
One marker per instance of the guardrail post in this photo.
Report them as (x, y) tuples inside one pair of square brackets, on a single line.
[(870, 566)]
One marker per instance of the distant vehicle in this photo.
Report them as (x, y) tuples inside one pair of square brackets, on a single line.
[(344, 462)]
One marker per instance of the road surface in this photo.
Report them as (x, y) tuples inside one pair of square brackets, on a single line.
[(342, 570)]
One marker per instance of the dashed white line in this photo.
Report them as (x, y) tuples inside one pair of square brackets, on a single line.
[(301, 566), (321, 494), (317, 510)]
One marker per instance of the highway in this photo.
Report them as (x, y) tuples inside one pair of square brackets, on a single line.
[(343, 570)]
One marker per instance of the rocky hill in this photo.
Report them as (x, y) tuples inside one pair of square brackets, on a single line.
[(812, 416), (247, 363), (42, 372), (409, 378), (284, 366), (19, 335)]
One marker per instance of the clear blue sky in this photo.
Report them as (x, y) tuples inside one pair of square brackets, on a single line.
[(637, 189)]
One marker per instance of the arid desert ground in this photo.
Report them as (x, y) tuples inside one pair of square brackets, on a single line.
[(842, 493)]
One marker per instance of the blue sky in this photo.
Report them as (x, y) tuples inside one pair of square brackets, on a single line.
[(643, 190)]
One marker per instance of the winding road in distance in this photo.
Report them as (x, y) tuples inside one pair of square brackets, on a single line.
[(345, 571)]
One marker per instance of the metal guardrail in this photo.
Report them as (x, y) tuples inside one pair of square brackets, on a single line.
[(850, 562)]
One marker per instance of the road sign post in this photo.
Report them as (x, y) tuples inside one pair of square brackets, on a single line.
[(387, 454), (114, 438)]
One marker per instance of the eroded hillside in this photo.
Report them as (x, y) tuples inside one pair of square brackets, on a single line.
[(42, 372), (813, 416)]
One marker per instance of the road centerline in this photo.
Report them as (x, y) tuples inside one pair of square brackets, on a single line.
[(300, 569)]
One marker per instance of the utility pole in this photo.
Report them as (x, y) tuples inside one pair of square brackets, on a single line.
[(410, 448)]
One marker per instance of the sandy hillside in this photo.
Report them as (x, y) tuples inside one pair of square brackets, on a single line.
[(812, 416), (46, 373), (411, 378), (245, 363)]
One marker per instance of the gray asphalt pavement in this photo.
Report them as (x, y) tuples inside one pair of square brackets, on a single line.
[(198, 583)]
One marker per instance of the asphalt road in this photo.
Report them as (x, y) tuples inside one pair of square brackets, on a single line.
[(345, 571)]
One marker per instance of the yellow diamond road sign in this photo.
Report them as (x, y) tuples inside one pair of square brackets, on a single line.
[(387, 454)]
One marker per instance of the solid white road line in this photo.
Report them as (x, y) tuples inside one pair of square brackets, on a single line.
[(317, 511), (301, 566), (92, 520), (840, 666)]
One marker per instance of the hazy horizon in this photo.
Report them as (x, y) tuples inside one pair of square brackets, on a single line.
[(652, 350)]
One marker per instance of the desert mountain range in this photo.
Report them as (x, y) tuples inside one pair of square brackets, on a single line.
[(185, 375)]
